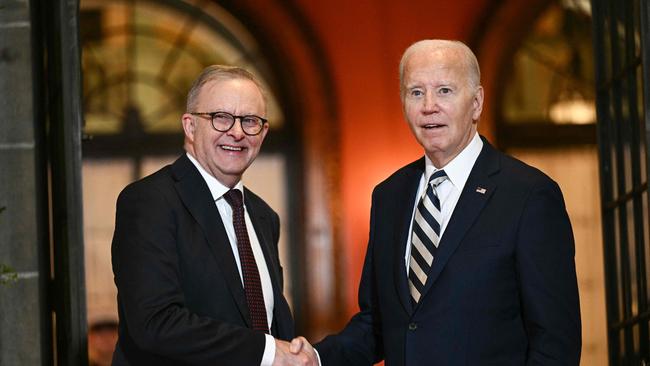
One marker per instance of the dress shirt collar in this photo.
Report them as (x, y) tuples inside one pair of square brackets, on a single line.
[(458, 168), (217, 189)]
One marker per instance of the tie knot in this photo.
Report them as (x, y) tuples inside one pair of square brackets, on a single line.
[(234, 198), (437, 178)]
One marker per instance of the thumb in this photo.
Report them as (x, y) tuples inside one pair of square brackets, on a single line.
[(296, 345)]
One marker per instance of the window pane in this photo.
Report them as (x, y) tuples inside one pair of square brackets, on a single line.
[(552, 79), (102, 182)]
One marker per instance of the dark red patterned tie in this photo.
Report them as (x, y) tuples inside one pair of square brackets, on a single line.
[(252, 283)]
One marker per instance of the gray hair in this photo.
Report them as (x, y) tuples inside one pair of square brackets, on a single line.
[(218, 73), (469, 58)]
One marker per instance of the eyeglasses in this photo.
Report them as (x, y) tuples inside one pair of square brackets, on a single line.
[(223, 121)]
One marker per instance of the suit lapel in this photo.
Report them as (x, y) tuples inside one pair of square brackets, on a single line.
[(476, 193), (196, 196), (403, 213)]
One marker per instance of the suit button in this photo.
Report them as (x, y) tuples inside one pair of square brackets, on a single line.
[(413, 326)]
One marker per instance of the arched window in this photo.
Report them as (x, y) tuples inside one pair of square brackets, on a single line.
[(548, 98)]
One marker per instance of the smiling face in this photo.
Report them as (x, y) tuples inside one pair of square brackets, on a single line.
[(225, 155), (441, 103)]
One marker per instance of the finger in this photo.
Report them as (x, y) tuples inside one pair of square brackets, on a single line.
[(306, 343), (308, 351), (296, 345)]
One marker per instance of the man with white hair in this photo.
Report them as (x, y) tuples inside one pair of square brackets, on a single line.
[(470, 259)]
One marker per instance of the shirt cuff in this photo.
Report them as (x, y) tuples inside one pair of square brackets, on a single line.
[(318, 357), (269, 351)]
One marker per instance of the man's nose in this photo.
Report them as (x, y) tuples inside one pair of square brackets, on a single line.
[(236, 130), (430, 103)]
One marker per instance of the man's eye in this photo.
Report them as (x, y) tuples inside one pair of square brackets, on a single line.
[(445, 90), (221, 117), (416, 93), (250, 121)]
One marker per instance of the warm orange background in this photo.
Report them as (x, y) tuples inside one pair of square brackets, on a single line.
[(363, 41)]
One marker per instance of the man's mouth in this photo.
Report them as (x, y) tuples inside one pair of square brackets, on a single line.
[(232, 148), (433, 126)]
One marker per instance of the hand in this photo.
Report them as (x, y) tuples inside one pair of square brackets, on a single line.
[(297, 353), (299, 344)]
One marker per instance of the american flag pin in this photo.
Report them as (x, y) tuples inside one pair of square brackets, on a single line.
[(481, 190)]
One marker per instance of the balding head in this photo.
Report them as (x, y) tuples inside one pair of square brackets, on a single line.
[(220, 73), (467, 57)]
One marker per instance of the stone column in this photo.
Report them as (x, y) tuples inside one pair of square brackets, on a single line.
[(20, 313)]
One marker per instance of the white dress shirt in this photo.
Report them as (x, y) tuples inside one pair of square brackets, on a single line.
[(218, 190), (448, 191)]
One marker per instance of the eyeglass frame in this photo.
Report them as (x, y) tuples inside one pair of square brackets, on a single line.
[(234, 119)]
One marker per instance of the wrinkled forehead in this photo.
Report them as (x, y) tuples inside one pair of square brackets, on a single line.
[(443, 63), (242, 89)]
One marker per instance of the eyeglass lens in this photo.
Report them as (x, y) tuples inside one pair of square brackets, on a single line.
[(224, 121)]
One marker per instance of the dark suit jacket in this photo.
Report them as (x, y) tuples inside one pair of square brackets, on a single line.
[(502, 289), (180, 297)]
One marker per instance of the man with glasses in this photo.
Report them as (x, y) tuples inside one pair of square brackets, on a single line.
[(195, 253)]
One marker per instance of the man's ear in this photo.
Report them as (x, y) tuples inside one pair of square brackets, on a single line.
[(477, 104), (265, 130), (188, 126)]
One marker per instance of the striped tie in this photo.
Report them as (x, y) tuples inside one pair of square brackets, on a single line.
[(425, 236)]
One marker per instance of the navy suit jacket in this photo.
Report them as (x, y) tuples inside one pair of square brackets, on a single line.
[(502, 289), (180, 296)]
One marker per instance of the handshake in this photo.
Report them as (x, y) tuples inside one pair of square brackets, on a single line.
[(299, 352)]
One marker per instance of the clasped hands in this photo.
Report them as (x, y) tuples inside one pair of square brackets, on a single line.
[(297, 353)]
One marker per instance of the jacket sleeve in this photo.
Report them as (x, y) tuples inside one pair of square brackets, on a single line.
[(547, 279), (359, 343)]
